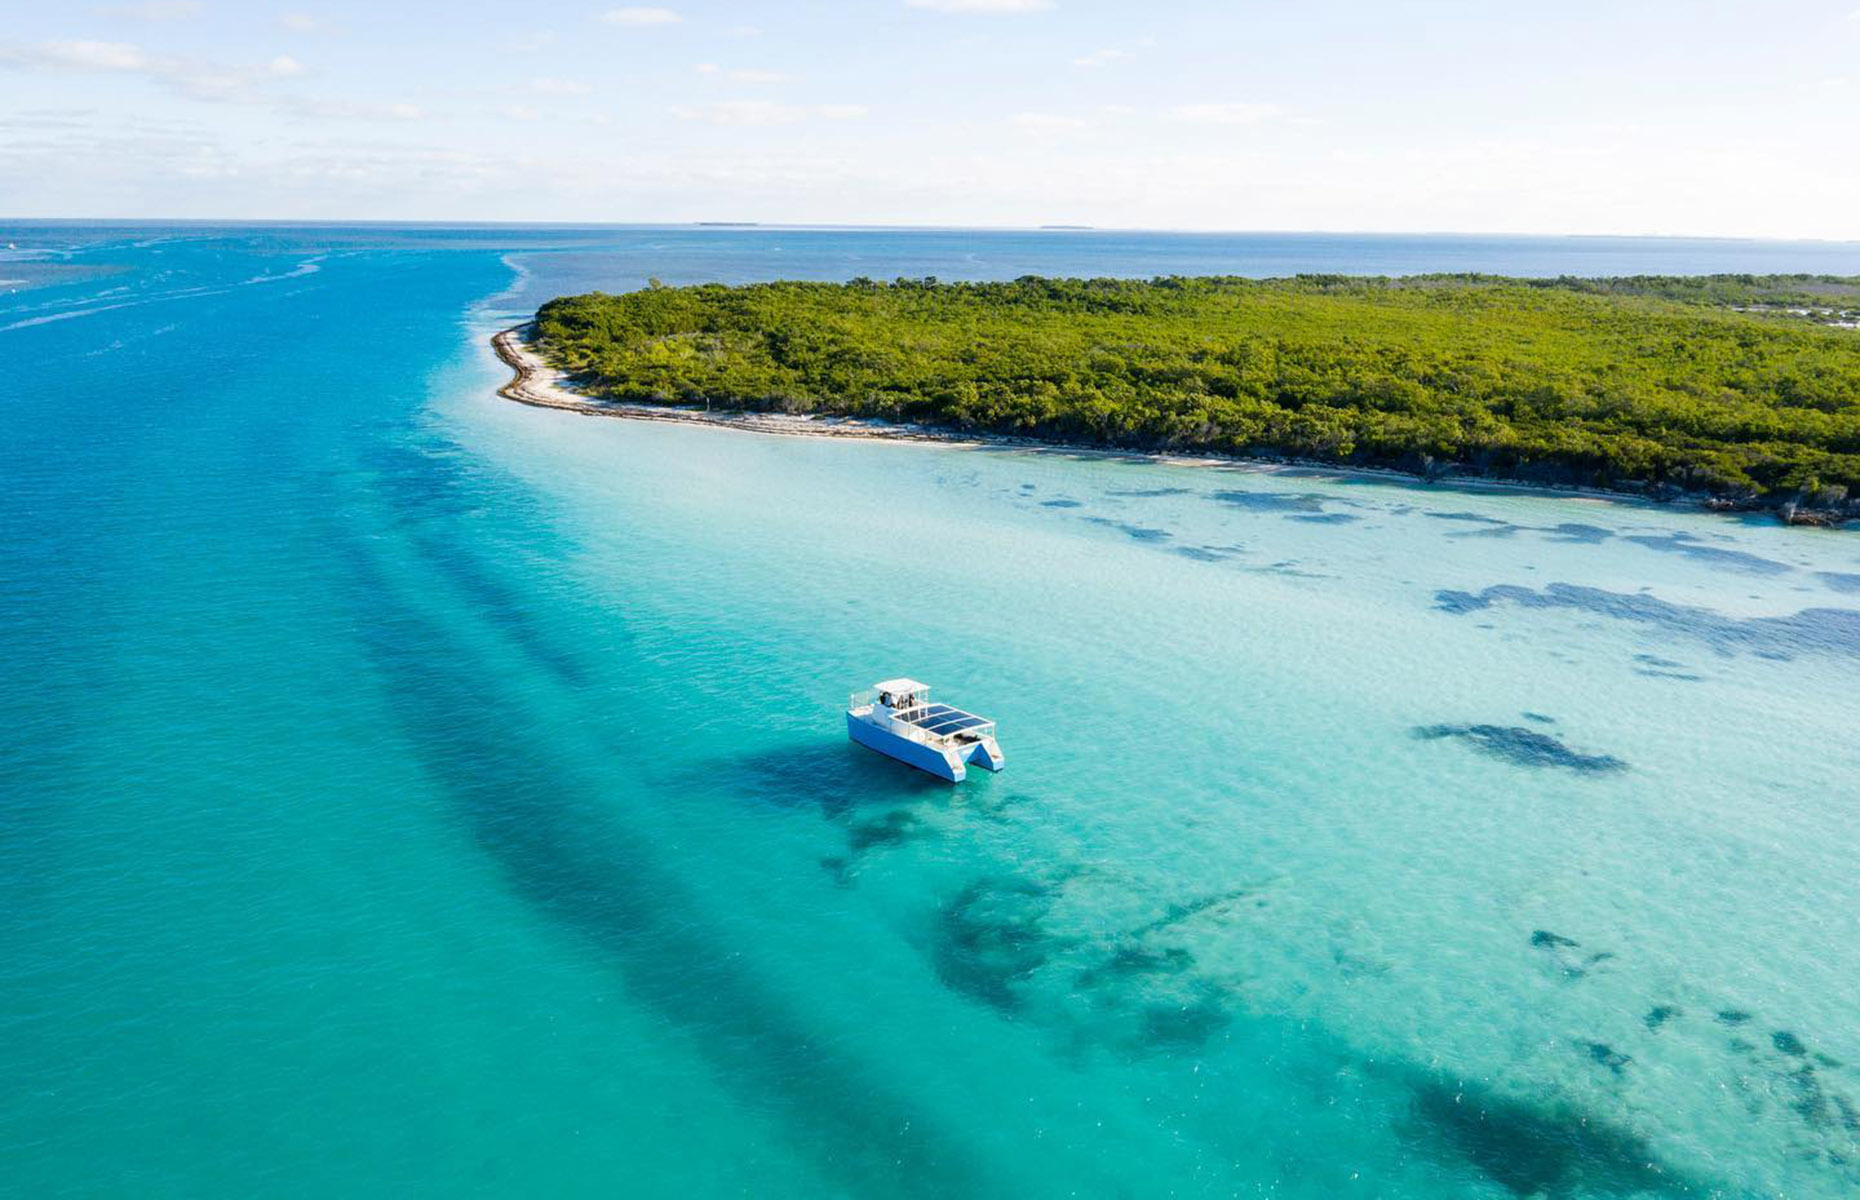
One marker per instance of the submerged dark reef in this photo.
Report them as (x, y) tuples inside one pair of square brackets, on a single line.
[(1549, 1149), (1655, 667), (1143, 533), (1272, 502), (991, 937), (1469, 518), (1563, 951), (1787, 1074), (1008, 941), (998, 947), (1691, 547), (1524, 747), (1140, 992), (1577, 533), (1023, 943), (1811, 631)]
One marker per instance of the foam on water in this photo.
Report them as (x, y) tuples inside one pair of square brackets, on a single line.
[(414, 792)]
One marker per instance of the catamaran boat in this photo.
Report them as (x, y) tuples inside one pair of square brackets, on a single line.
[(897, 718)]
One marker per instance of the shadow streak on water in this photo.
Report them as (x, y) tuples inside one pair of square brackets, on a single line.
[(426, 484), (552, 835), (832, 775)]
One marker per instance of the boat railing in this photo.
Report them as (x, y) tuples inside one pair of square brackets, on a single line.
[(925, 737)]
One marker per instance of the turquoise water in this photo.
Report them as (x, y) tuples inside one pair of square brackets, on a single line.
[(403, 792)]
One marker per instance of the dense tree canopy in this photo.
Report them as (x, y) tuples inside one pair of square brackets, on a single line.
[(1611, 382)]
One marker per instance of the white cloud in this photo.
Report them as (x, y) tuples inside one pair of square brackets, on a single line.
[(743, 31), (152, 10), (344, 110), (82, 56), (1049, 123), (640, 16), (983, 6), (1099, 58), (201, 81), (48, 118), (207, 82), (1227, 114), (522, 112), (559, 87), (308, 24), (741, 112), (305, 24), (742, 75), (765, 112)]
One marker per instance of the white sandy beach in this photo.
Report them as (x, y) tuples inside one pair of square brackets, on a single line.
[(542, 386)]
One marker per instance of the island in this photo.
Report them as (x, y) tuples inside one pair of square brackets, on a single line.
[(1741, 390)]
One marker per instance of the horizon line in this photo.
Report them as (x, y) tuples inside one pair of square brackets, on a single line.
[(743, 226)]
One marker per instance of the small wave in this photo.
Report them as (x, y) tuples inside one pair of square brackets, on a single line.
[(308, 266), (122, 342), (48, 318)]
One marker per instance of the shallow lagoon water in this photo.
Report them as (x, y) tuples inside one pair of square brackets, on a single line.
[(407, 791)]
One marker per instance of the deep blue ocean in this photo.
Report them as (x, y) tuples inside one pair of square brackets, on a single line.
[(407, 793)]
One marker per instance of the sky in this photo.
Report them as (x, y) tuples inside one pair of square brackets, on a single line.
[(1733, 118)]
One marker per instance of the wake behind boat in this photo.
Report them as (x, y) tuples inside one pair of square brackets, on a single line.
[(897, 718)]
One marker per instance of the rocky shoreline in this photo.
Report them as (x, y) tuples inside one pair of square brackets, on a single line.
[(540, 385)]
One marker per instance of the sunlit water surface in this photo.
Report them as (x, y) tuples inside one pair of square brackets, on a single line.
[(403, 792)]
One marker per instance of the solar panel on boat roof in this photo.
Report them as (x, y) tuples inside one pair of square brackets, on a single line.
[(941, 718)]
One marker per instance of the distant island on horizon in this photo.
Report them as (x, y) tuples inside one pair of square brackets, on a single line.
[(1741, 389)]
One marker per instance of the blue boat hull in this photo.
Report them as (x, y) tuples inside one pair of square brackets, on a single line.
[(950, 764)]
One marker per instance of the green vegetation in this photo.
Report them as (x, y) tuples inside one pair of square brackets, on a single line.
[(1611, 382)]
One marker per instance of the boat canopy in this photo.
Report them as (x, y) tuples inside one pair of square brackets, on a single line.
[(898, 687)]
